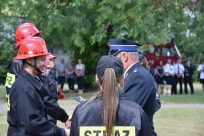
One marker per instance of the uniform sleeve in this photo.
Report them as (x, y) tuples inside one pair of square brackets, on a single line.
[(74, 130), (175, 67), (15, 68), (182, 68), (53, 107), (165, 69), (173, 70), (157, 101), (31, 113), (145, 126), (137, 91), (199, 68)]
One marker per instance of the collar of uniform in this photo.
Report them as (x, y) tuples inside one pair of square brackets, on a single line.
[(31, 79), (126, 71), (169, 65)]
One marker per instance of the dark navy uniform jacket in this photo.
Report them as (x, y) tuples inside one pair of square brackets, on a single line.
[(51, 84), (188, 70), (27, 109), (92, 115), (49, 93), (50, 96), (139, 87), (15, 69)]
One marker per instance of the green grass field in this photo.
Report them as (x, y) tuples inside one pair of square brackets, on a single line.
[(167, 121)]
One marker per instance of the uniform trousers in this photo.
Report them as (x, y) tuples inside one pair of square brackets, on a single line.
[(61, 80), (70, 82), (171, 81), (178, 80), (190, 82), (80, 82)]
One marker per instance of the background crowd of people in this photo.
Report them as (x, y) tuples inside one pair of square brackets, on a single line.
[(72, 74), (177, 73)]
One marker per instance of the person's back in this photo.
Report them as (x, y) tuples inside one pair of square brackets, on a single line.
[(139, 85), (92, 115), (107, 112), (144, 98), (14, 71)]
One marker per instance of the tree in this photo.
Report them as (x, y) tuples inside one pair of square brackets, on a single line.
[(6, 48), (86, 25)]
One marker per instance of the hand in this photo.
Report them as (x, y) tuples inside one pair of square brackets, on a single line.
[(178, 75), (60, 72), (68, 122), (67, 131)]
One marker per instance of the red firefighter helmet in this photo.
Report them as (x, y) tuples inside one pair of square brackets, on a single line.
[(43, 43), (51, 56), (49, 64), (32, 47), (24, 31)]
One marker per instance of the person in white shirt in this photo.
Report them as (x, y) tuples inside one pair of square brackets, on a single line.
[(169, 75), (200, 69), (79, 71), (178, 74)]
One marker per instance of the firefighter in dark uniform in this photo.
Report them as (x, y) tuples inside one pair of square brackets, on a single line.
[(22, 32), (48, 78), (139, 85), (142, 59), (26, 108), (51, 96), (188, 76), (108, 108)]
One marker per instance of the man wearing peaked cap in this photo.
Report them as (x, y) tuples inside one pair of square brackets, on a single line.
[(139, 85), (119, 45)]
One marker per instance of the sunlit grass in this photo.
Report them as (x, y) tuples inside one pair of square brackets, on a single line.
[(167, 121)]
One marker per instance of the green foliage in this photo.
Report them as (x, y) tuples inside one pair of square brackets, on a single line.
[(86, 25), (6, 49)]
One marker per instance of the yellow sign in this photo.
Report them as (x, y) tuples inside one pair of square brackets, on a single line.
[(101, 131), (8, 102), (10, 79)]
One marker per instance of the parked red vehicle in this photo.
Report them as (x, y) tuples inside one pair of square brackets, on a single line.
[(162, 52)]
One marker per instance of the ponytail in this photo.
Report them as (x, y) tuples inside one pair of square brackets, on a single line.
[(110, 97), (110, 88)]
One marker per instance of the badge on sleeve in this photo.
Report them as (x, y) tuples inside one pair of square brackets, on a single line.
[(10, 79), (135, 70)]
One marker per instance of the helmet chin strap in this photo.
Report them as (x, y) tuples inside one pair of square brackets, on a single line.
[(35, 67)]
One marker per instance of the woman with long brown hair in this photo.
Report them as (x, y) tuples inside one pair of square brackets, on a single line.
[(108, 108)]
